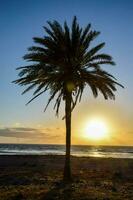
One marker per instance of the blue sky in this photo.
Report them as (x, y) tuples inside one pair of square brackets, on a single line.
[(22, 20)]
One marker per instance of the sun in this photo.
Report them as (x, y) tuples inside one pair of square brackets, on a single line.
[(96, 129)]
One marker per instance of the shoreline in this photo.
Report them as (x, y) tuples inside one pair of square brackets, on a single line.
[(26, 157), (76, 150), (63, 155)]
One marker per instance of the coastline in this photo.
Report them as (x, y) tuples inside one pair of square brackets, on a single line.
[(76, 150), (39, 177)]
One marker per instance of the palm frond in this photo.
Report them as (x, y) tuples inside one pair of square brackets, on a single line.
[(63, 55), (94, 50), (85, 32)]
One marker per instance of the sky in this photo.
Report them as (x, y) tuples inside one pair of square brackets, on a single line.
[(20, 21)]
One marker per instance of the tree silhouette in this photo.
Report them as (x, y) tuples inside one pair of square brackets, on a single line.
[(63, 63)]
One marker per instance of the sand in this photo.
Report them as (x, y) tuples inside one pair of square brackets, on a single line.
[(40, 177)]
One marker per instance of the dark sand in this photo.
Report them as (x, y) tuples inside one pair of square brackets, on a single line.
[(39, 177)]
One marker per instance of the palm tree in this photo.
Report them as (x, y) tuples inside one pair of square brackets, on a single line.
[(63, 63)]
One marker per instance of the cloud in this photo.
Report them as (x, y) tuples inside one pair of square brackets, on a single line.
[(25, 129), (27, 132), (130, 132), (18, 132)]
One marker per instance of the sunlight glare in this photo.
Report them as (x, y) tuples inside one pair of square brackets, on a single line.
[(96, 129)]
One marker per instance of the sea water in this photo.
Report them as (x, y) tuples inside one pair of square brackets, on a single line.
[(76, 150)]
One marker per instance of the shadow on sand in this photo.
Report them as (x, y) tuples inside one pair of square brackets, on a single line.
[(60, 191)]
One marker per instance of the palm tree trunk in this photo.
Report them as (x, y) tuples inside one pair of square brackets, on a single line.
[(67, 168)]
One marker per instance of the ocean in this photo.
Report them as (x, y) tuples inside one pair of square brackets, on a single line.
[(76, 150)]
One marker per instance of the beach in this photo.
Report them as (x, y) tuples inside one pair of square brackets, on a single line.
[(40, 177)]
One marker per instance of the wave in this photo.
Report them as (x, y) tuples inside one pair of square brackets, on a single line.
[(76, 150)]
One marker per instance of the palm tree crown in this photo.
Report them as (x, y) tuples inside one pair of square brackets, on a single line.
[(63, 61)]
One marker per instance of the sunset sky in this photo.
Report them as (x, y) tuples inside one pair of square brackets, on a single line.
[(20, 21)]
